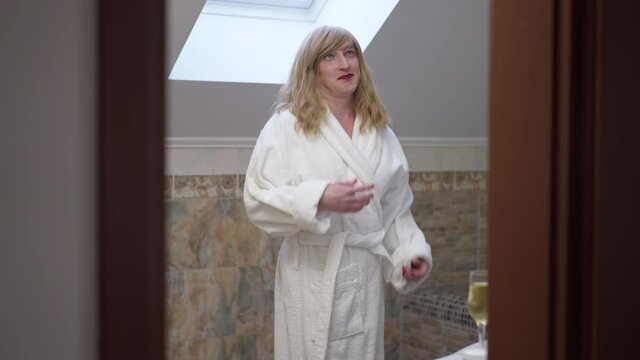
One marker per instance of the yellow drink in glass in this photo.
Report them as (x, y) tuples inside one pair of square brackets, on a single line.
[(479, 301)]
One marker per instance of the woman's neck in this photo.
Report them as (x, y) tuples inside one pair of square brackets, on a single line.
[(344, 112)]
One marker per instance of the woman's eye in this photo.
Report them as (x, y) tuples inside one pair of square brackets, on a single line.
[(350, 53), (328, 56)]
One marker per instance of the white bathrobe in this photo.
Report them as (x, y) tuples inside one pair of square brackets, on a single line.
[(329, 301)]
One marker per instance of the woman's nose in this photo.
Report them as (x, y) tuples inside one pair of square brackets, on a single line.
[(343, 62)]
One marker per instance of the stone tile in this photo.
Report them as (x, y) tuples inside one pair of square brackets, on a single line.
[(482, 231), (210, 348), (255, 300), (253, 246), (482, 261), (180, 316), (411, 352), (185, 233), (264, 344), (240, 347), (471, 180), (392, 352), (465, 263), (240, 186), (456, 338), (276, 245), (463, 239), (455, 276), (440, 264), (177, 350), (483, 200), (392, 302), (458, 289), (482, 236), (212, 296), (422, 182), (200, 309), (168, 187), (482, 214), (392, 331), (218, 348), (422, 338), (202, 233), (422, 208), (264, 246), (205, 186), (452, 223)]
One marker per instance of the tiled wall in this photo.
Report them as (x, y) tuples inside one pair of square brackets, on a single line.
[(451, 209), (220, 273)]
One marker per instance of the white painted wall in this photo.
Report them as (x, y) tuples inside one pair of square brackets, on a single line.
[(47, 155), (429, 61)]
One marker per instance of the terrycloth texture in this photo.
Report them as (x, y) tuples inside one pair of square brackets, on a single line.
[(331, 267)]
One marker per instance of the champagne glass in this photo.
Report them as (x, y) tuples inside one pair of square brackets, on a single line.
[(479, 302)]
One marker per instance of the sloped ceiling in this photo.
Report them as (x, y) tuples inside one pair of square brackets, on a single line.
[(429, 61), (181, 16), (247, 44)]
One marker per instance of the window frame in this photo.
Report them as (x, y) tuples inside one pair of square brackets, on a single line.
[(271, 9)]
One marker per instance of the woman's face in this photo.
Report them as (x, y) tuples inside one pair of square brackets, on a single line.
[(338, 72)]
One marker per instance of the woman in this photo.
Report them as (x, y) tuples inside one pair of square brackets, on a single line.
[(330, 176)]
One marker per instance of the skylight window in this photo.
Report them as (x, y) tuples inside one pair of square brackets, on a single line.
[(255, 41), (295, 10), (300, 4)]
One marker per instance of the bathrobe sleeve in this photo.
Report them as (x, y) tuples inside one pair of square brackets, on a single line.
[(273, 202), (404, 240)]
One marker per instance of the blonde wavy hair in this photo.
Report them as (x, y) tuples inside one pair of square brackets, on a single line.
[(301, 94)]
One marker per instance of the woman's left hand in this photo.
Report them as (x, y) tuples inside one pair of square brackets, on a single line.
[(418, 269)]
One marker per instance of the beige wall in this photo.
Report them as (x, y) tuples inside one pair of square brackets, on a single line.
[(47, 149)]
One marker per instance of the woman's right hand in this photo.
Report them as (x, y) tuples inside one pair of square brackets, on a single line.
[(345, 197)]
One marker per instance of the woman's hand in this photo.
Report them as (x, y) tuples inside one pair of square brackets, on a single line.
[(419, 268), (345, 197)]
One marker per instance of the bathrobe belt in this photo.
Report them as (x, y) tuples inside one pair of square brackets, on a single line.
[(336, 242)]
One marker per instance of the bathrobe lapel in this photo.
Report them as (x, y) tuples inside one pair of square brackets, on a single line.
[(363, 159), (353, 156)]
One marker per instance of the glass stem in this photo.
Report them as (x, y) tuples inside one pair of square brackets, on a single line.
[(482, 334)]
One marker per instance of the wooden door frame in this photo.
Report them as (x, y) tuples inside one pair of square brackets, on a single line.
[(556, 173), (520, 177), (563, 179), (130, 179), (542, 178)]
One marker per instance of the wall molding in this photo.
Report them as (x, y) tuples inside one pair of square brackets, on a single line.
[(406, 141), (249, 142), (210, 142)]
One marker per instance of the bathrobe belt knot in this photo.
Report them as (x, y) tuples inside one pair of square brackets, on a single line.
[(336, 242)]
